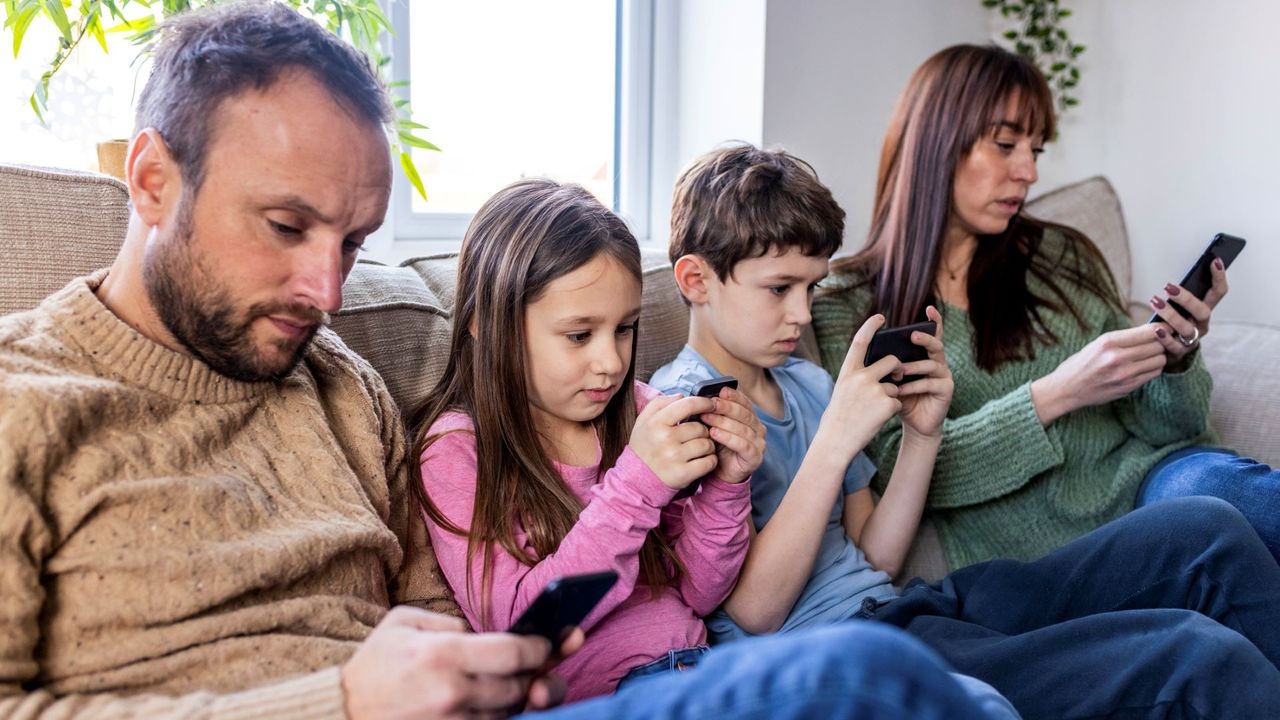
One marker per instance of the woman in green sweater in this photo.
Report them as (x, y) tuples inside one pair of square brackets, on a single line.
[(1064, 416)]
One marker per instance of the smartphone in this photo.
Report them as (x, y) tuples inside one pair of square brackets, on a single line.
[(897, 342), (712, 387), (563, 604), (1199, 278), (706, 388)]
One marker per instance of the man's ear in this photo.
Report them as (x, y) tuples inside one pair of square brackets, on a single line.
[(692, 275), (154, 179)]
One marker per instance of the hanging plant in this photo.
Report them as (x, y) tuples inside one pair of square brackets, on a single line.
[(360, 22), (1039, 36)]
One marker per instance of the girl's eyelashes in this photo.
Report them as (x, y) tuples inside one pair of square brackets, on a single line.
[(578, 338)]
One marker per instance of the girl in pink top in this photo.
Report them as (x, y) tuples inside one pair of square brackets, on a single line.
[(541, 456)]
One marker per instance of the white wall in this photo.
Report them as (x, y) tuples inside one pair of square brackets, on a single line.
[(1180, 110), (708, 88), (833, 70)]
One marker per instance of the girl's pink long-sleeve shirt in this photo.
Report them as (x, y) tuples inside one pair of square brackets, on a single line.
[(630, 626)]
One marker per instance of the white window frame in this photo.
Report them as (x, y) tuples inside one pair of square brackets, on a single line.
[(416, 233)]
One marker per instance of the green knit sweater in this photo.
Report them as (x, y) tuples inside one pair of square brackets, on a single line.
[(1004, 486)]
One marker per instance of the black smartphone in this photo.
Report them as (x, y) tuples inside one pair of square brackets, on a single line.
[(707, 388), (897, 342), (1199, 278), (564, 603), (712, 387)]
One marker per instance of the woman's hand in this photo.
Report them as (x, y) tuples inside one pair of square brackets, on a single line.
[(677, 452), (738, 433), (1187, 332), (860, 404), (1112, 366), (925, 401)]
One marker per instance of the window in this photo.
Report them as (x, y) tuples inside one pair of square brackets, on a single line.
[(511, 89)]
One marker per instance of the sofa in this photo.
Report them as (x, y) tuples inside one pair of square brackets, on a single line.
[(58, 224)]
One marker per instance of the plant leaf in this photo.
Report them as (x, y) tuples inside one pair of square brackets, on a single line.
[(59, 16), (21, 25), (409, 139), (411, 174)]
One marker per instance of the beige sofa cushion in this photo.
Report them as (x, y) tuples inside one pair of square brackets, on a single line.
[(55, 225), (1245, 405)]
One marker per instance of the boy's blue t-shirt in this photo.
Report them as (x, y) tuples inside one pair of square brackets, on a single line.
[(841, 576)]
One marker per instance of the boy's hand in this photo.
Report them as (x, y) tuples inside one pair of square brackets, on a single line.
[(925, 401), (677, 452), (738, 433), (860, 403)]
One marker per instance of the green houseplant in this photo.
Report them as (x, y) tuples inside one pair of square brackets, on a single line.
[(1038, 34), (361, 22)]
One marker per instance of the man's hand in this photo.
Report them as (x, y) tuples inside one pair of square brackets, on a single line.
[(423, 665)]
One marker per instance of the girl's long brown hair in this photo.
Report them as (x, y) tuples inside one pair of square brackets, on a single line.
[(956, 98), (522, 239)]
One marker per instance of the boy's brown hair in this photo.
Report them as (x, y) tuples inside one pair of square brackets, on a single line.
[(739, 201)]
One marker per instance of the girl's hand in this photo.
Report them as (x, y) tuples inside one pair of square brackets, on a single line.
[(739, 436), (1112, 366), (1187, 332), (677, 452), (860, 403), (925, 401)]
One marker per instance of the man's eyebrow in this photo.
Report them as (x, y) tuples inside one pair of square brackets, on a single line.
[(298, 205)]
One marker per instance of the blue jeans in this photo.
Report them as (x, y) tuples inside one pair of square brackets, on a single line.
[(1252, 487), (674, 661), (854, 670), (1170, 611)]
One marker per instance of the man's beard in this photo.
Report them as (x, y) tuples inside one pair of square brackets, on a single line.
[(201, 314)]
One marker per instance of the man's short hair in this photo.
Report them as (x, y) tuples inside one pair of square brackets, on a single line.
[(738, 202), (205, 56)]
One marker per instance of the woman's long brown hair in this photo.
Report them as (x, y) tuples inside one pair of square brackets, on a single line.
[(522, 239), (956, 98)]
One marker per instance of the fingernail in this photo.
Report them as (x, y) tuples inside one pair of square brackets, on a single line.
[(1171, 289), (1157, 302), (1217, 262), (1160, 333)]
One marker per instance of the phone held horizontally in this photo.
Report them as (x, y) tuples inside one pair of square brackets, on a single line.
[(564, 604), (1199, 278)]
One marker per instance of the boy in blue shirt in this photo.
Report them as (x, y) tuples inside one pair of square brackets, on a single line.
[(1077, 633)]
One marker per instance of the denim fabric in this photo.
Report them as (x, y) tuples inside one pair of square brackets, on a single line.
[(859, 670), (674, 661), (1171, 611), (1252, 487)]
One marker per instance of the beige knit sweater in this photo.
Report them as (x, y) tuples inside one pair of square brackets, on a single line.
[(174, 543)]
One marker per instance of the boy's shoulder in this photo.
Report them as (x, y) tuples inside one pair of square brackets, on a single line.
[(685, 370)]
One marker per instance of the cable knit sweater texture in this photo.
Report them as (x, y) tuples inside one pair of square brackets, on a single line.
[(1005, 486), (174, 543)]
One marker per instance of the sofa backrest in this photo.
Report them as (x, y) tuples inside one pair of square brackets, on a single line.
[(55, 225)]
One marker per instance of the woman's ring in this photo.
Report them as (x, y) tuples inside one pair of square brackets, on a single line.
[(1188, 343)]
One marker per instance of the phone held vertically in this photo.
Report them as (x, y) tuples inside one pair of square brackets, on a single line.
[(897, 342), (564, 604), (708, 388), (1199, 278)]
